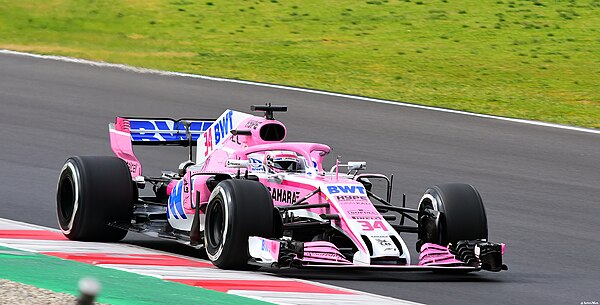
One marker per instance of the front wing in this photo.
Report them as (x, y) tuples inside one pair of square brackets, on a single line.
[(465, 256)]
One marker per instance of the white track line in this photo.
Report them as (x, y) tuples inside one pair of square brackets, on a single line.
[(187, 272), (313, 91)]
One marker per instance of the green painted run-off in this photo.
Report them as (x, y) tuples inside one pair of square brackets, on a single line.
[(118, 287)]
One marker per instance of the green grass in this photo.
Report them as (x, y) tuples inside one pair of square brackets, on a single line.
[(528, 59)]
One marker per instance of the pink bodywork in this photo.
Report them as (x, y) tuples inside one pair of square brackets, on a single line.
[(120, 143), (358, 219), (345, 196), (436, 255), (323, 252)]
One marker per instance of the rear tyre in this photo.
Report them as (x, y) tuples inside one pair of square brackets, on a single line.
[(93, 192), (461, 215), (236, 210)]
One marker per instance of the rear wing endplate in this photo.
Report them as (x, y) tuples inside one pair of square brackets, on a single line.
[(129, 131)]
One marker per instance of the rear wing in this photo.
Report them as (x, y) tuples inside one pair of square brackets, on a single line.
[(163, 131), (129, 131)]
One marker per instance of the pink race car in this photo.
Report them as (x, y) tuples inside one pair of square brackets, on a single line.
[(250, 199)]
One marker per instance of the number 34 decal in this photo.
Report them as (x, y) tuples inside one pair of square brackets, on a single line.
[(372, 225), (208, 143)]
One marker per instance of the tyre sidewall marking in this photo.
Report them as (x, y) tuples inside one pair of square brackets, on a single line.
[(76, 188), (226, 199), (435, 205), (434, 201)]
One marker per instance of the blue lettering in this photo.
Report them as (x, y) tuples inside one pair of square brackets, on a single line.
[(143, 126), (256, 164), (223, 127), (346, 189), (230, 121), (180, 128), (217, 133), (264, 246), (334, 189), (162, 126), (197, 126), (163, 130)]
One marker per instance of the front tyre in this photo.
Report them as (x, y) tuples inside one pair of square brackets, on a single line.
[(461, 215), (237, 209), (92, 192)]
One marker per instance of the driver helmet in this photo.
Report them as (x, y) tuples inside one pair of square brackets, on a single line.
[(283, 161)]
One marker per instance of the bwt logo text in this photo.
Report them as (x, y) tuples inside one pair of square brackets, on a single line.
[(346, 189)]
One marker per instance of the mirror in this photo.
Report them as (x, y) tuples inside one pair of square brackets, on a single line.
[(357, 165), (233, 163)]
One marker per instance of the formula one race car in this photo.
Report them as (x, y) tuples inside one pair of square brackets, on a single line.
[(250, 199)]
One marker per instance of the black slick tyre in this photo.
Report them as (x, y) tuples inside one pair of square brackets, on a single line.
[(92, 192), (461, 215), (236, 210)]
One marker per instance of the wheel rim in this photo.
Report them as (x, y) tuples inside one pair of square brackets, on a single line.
[(429, 232), (66, 201), (216, 224)]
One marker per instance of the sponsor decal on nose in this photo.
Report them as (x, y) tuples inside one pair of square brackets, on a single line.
[(345, 189)]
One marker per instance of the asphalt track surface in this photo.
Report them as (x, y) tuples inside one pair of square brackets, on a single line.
[(540, 184)]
